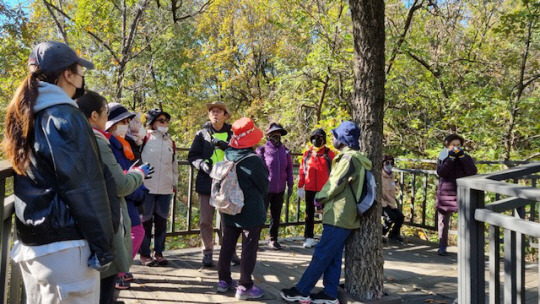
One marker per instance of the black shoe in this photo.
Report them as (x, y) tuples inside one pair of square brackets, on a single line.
[(207, 260), (235, 260), (293, 295), (396, 238), (323, 298), (442, 252)]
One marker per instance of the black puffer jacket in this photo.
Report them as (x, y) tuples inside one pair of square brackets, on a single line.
[(202, 150), (64, 195)]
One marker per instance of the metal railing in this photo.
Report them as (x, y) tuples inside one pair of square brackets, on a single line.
[(507, 212)]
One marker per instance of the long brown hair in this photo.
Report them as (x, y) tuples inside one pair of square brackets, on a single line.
[(20, 123)]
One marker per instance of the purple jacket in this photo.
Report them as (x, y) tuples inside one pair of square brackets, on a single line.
[(449, 170), (278, 160)]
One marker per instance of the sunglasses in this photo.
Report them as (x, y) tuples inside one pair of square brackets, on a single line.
[(163, 120)]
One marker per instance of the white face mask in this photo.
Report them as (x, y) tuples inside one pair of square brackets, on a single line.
[(142, 132), (388, 168), (120, 131), (163, 130)]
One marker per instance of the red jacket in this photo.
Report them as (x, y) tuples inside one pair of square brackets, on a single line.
[(315, 168)]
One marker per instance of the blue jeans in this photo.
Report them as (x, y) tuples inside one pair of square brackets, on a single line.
[(156, 211), (326, 261)]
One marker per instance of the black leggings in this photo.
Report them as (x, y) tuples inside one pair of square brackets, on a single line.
[(310, 214), (275, 202)]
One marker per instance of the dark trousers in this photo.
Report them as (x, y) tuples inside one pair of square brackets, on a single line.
[(310, 213), (444, 224), (250, 245), (106, 291), (160, 228), (275, 201), (393, 219)]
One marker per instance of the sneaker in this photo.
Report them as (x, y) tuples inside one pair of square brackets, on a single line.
[(310, 242), (207, 260), (293, 295), (235, 260), (245, 294), (160, 260), (223, 286), (147, 261), (274, 245), (442, 252), (323, 298), (127, 276), (121, 284)]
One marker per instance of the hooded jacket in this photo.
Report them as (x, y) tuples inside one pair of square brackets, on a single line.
[(158, 150), (449, 170), (253, 180), (349, 167), (64, 194), (278, 161), (315, 168), (126, 183), (202, 150)]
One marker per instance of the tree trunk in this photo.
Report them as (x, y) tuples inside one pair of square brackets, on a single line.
[(363, 251)]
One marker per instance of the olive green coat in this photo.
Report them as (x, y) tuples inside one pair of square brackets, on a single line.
[(125, 184), (336, 195)]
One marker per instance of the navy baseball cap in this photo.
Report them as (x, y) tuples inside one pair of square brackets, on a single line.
[(54, 56)]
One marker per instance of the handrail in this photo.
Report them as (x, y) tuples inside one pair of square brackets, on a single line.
[(474, 215)]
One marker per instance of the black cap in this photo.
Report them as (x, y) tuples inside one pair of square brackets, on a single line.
[(273, 127), (154, 113), (117, 113), (53, 56), (318, 132)]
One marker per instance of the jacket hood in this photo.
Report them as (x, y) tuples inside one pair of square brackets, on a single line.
[(366, 163), (51, 95), (235, 154)]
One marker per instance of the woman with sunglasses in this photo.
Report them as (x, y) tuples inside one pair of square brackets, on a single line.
[(158, 148)]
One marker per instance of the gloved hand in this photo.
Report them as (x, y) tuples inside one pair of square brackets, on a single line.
[(148, 170), (289, 191), (318, 206), (100, 264), (452, 153), (206, 167), (460, 153), (301, 193), (223, 145)]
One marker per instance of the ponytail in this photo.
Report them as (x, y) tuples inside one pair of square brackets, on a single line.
[(20, 122)]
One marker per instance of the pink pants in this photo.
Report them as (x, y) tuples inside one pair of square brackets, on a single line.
[(137, 236)]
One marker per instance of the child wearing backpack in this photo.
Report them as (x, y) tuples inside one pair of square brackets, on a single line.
[(314, 171), (253, 180), (338, 201)]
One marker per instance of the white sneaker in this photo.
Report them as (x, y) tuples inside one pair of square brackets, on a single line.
[(309, 243)]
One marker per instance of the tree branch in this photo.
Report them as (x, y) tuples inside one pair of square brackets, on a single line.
[(103, 43), (60, 28)]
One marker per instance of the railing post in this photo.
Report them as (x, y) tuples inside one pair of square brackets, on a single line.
[(471, 276), (4, 245)]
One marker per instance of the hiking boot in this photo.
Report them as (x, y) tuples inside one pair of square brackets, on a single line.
[(235, 260), (310, 242), (274, 245), (147, 261), (160, 260), (207, 260), (293, 295), (223, 286), (245, 294), (121, 284), (323, 298), (127, 276)]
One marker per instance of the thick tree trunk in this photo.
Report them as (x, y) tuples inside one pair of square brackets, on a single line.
[(363, 252)]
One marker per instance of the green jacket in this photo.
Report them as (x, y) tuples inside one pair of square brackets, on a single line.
[(125, 184), (253, 180), (336, 195)]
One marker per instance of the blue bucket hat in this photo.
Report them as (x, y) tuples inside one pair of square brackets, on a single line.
[(348, 133)]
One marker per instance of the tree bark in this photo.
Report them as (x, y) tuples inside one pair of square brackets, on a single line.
[(363, 251)]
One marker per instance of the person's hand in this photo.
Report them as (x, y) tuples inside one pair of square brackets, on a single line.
[(318, 206), (301, 193), (100, 263), (460, 153), (148, 170), (206, 167), (452, 152), (223, 145), (175, 188)]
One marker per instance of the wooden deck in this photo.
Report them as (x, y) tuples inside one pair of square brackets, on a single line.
[(413, 271)]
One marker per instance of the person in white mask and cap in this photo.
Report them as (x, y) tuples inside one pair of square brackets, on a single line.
[(158, 148)]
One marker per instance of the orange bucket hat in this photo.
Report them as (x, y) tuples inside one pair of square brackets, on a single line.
[(245, 134)]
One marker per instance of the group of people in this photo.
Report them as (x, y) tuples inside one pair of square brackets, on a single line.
[(93, 186)]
